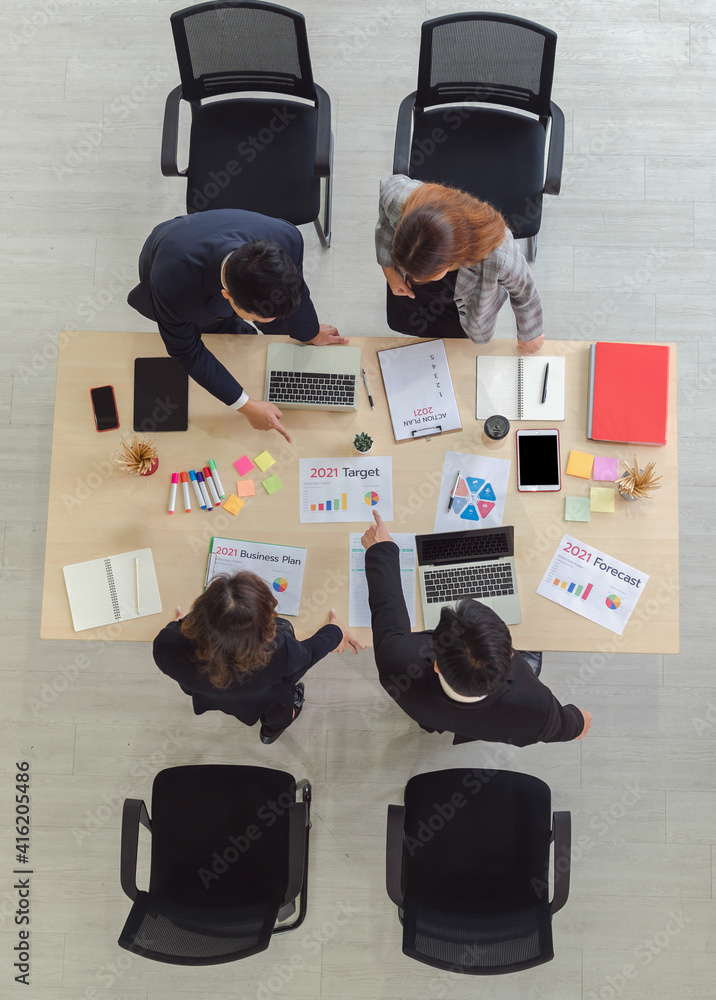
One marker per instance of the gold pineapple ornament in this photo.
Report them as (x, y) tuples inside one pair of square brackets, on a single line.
[(638, 484), (137, 456)]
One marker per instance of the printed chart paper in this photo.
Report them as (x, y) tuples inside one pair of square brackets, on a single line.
[(345, 489), (280, 566), (595, 585), (480, 497), (358, 607)]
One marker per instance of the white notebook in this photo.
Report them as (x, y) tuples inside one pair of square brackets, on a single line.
[(103, 591), (513, 387)]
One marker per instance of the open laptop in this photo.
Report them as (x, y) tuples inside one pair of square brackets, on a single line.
[(478, 563), (312, 378)]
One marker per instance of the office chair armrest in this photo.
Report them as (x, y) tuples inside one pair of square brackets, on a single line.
[(562, 837), (297, 838), (170, 135), (323, 165), (553, 180), (403, 135), (394, 854), (133, 813)]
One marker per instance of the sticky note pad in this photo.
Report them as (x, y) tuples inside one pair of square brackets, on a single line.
[(243, 465), (233, 504), (264, 461), (580, 464), (576, 508), (272, 484), (601, 498), (245, 488), (606, 469)]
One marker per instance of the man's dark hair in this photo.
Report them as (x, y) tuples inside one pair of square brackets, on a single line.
[(262, 279), (473, 648)]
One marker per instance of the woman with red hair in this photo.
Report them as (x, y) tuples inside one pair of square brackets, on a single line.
[(232, 653), (451, 263)]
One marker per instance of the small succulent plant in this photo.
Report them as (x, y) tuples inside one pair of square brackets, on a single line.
[(362, 442)]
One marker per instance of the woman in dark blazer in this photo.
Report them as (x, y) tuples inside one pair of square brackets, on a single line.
[(232, 653)]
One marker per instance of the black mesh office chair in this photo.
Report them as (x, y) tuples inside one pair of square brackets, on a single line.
[(229, 857), (496, 154), (262, 154), (468, 867)]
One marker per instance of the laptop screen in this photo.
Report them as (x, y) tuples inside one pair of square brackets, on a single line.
[(465, 546)]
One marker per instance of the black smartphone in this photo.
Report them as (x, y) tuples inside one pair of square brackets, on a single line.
[(105, 408)]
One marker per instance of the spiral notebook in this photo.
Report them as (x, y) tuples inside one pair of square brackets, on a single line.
[(513, 388), (113, 589)]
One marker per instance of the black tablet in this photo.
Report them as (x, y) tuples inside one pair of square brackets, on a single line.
[(161, 395)]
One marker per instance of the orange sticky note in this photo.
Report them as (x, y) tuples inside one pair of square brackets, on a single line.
[(580, 464), (245, 489), (233, 504)]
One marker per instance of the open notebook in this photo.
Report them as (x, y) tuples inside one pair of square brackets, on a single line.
[(512, 387), (103, 591)]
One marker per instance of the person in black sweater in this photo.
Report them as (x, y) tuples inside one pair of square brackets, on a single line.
[(231, 653), (464, 677)]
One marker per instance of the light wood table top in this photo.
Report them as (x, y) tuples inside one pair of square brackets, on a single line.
[(95, 510)]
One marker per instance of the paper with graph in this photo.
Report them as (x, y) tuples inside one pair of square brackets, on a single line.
[(594, 585)]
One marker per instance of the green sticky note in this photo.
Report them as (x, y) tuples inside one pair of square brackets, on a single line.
[(576, 508), (272, 484), (264, 461), (601, 498)]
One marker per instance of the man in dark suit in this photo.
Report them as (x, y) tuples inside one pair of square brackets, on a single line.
[(464, 677), (209, 273)]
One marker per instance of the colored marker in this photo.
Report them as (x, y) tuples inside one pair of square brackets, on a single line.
[(215, 477), (173, 494), (210, 482), (204, 491), (195, 484), (185, 487)]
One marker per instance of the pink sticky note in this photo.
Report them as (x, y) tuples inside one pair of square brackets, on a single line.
[(606, 469), (243, 465)]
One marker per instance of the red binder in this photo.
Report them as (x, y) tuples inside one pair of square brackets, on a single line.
[(628, 393)]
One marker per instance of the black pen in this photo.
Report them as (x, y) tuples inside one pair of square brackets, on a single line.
[(367, 388), (544, 384), (452, 495)]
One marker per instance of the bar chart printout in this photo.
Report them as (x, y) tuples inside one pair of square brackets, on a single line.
[(595, 585), (337, 503), (345, 489)]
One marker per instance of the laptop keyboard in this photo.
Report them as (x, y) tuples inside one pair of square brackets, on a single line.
[(494, 580), (322, 388)]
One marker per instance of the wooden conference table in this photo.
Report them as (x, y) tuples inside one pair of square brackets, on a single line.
[(96, 510)]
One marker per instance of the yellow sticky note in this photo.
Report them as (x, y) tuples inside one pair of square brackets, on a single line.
[(233, 504), (245, 489), (272, 484), (580, 464), (264, 461), (601, 498)]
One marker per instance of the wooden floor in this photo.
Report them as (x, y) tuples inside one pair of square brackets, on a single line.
[(626, 252)]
